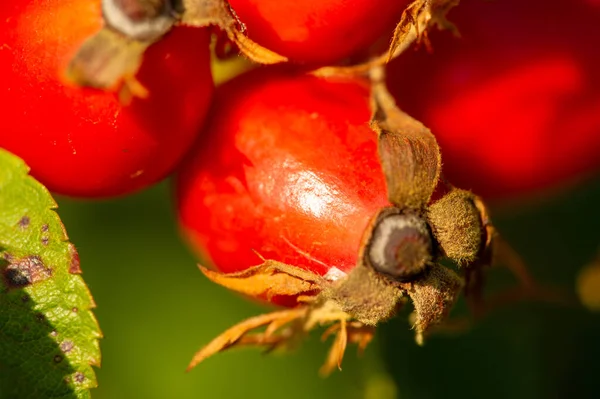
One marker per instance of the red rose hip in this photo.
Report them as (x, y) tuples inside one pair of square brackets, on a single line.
[(83, 142), (517, 95), (315, 193), (290, 172)]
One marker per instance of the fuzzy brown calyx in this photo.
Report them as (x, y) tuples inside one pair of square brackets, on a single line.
[(408, 151), (433, 296), (398, 245), (366, 295), (457, 226)]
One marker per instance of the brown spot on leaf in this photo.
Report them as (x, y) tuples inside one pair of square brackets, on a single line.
[(45, 240), (17, 278), (74, 266), (57, 359), (54, 333), (25, 298), (79, 377), (24, 222), (75, 310), (67, 346), (44, 228), (25, 271), (40, 317)]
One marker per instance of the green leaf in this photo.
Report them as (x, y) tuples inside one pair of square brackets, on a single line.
[(48, 333)]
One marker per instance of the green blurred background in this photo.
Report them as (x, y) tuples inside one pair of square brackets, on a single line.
[(156, 309)]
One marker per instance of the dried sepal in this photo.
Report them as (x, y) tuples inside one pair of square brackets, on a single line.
[(457, 226), (337, 350), (433, 296), (109, 60), (202, 13), (409, 153), (268, 280), (414, 23), (346, 332), (285, 327), (235, 334), (366, 295), (415, 20)]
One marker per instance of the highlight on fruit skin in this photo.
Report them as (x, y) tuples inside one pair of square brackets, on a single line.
[(316, 194)]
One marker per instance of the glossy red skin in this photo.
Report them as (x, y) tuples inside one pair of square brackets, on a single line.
[(290, 173), (515, 102), (84, 143), (319, 31)]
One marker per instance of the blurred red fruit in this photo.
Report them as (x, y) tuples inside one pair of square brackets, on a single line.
[(515, 102)]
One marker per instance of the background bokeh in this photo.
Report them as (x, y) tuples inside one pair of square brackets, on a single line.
[(156, 310)]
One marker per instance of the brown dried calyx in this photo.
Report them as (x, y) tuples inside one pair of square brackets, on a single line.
[(457, 226), (109, 60), (112, 57)]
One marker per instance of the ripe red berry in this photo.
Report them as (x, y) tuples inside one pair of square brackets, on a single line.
[(514, 102), (82, 142), (290, 172), (315, 193), (318, 32)]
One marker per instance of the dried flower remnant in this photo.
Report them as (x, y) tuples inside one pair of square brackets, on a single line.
[(111, 58)]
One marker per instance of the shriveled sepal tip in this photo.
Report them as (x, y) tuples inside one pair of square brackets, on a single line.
[(238, 334), (433, 297), (200, 13), (415, 21)]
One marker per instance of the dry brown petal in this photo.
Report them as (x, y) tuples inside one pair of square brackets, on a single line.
[(269, 279), (410, 156), (109, 60)]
